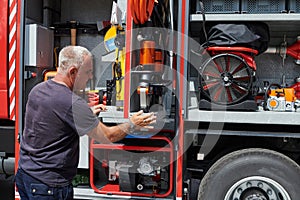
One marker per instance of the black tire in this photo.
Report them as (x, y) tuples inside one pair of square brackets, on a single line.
[(232, 173)]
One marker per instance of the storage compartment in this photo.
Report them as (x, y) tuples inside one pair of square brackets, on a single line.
[(133, 170), (219, 6), (294, 6), (224, 78), (39, 44), (263, 6)]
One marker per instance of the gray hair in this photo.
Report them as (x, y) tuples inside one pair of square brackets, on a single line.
[(72, 56)]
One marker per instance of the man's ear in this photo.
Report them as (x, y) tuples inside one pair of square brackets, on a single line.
[(73, 71)]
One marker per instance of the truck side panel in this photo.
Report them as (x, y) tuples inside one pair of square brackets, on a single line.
[(3, 59)]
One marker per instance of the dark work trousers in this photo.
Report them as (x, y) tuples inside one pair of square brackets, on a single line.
[(31, 189)]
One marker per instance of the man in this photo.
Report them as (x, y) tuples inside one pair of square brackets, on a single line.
[(55, 118)]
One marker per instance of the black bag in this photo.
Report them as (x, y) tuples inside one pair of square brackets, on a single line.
[(254, 35)]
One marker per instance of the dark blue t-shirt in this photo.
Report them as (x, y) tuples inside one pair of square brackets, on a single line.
[(55, 118)]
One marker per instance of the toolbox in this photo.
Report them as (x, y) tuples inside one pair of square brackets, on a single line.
[(263, 6), (218, 6)]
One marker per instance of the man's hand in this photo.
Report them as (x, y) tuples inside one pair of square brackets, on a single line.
[(98, 108), (140, 119)]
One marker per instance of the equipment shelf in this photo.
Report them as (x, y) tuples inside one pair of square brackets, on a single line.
[(246, 17), (257, 117)]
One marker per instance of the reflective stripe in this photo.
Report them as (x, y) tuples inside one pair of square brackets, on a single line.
[(12, 57)]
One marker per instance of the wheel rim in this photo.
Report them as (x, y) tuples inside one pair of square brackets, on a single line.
[(226, 79), (257, 188)]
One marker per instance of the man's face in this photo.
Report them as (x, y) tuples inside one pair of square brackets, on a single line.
[(84, 74)]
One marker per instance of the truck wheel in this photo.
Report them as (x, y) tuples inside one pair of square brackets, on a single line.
[(251, 174)]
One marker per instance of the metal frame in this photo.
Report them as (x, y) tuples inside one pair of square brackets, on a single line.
[(113, 189)]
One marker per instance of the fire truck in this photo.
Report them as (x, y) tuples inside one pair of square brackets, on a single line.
[(222, 77)]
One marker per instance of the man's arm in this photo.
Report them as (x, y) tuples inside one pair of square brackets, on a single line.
[(106, 134)]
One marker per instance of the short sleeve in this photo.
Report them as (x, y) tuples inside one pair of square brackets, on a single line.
[(83, 118)]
